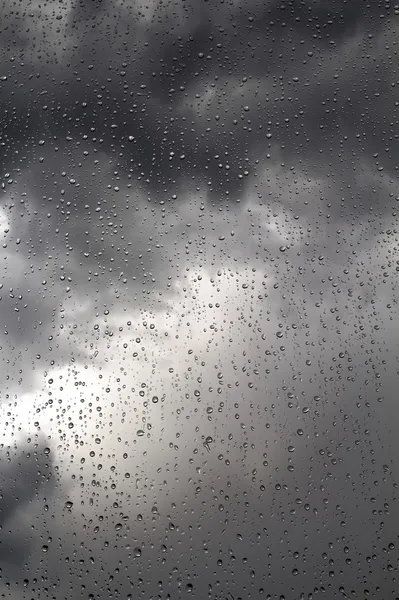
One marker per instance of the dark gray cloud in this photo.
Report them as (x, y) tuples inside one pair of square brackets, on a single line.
[(125, 76), (27, 476)]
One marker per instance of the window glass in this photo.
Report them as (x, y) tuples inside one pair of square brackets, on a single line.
[(199, 303)]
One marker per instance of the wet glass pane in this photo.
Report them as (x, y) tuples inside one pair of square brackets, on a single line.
[(199, 299)]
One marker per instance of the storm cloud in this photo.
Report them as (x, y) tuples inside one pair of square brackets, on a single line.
[(28, 480)]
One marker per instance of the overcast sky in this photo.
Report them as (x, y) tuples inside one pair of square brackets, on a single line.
[(199, 321)]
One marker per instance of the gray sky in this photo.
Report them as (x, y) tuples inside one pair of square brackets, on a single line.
[(199, 331)]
